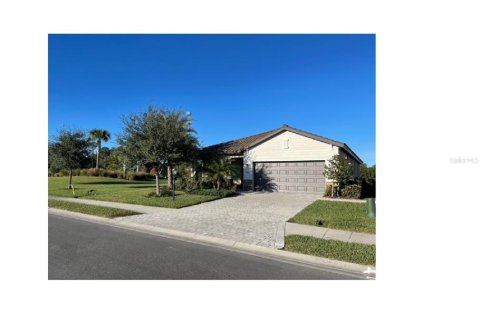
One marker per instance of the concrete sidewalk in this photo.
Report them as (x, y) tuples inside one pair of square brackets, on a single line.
[(329, 234)]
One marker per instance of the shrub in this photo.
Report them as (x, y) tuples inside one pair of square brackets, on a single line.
[(352, 191), (112, 174), (206, 184), (213, 192), (92, 172), (188, 184), (328, 190), (139, 176)]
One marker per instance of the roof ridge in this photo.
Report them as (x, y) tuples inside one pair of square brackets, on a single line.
[(243, 138), (314, 134)]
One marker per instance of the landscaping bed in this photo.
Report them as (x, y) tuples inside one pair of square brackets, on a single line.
[(125, 191), (332, 249), (337, 215), (105, 212)]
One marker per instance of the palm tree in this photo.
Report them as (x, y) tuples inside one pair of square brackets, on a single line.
[(221, 172), (99, 135)]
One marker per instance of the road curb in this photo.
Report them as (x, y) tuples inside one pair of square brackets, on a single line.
[(280, 236), (228, 244)]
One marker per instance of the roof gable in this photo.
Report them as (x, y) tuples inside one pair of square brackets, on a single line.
[(237, 147)]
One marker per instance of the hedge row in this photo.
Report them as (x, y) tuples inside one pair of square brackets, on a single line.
[(106, 173), (354, 191)]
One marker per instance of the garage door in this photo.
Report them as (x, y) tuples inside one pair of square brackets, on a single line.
[(301, 176)]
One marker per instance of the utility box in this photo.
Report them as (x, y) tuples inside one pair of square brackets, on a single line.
[(371, 207)]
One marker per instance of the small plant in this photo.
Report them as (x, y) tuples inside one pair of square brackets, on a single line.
[(221, 173), (91, 192), (163, 193)]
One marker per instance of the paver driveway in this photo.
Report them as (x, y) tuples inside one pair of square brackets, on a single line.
[(252, 218)]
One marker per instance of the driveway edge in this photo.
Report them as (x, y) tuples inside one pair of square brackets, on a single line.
[(228, 244)]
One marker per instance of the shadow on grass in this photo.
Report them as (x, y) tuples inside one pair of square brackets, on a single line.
[(143, 187), (118, 182)]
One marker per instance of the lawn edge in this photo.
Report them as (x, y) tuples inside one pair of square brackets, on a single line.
[(133, 213)]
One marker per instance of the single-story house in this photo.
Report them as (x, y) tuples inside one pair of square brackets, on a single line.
[(284, 159)]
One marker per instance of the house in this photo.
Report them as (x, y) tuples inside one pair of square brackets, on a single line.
[(284, 159)]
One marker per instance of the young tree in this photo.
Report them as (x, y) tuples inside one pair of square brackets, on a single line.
[(69, 150), (160, 136), (339, 169), (99, 135), (117, 160)]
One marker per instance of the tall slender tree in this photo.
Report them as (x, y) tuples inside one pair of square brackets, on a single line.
[(99, 135)]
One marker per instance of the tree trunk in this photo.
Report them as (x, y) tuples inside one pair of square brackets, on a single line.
[(70, 179), (124, 171), (218, 185), (98, 153), (169, 177), (157, 185)]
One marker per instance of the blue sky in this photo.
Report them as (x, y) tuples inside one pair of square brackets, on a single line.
[(234, 85)]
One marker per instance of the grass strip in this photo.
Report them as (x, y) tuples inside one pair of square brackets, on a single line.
[(332, 249), (104, 212), (337, 215)]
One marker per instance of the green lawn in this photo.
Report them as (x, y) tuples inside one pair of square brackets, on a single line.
[(332, 249), (90, 209), (337, 215), (119, 190)]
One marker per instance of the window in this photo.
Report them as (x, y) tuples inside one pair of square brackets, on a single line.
[(285, 144)]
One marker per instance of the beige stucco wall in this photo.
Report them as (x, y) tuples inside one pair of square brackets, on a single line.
[(300, 148)]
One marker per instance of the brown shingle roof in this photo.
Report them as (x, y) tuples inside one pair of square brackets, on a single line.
[(237, 147)]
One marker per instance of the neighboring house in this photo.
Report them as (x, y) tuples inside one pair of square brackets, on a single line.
[(284, 159)]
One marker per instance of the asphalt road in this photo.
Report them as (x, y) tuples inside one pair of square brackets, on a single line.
[(79, 249)]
